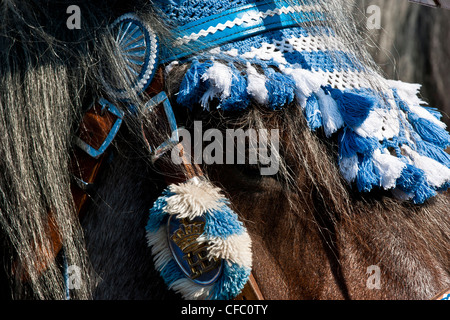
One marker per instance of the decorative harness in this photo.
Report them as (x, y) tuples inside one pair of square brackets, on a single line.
[(243, 51)]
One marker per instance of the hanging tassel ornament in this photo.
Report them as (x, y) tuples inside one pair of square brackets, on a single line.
[(199, 245)]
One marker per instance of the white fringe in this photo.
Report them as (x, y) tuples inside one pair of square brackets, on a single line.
[(235, 248), (192, 198), (191, 291), (436, 173), (306, 83), (331, 117), (408, 92), (349, 168), (380, 123), (256, 86), (390, 168), (220, 78), (160, 247)]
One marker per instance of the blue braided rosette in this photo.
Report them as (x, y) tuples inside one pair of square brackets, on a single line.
[(388, 138), (224, 238), (137, 46)]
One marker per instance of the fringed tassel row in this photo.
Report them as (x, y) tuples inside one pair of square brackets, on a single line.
[(186, 217), (372, 133)]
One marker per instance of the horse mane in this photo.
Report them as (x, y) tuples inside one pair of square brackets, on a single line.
[(47, 73)]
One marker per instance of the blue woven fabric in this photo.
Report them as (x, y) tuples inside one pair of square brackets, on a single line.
[(387, 139), (181, 12)]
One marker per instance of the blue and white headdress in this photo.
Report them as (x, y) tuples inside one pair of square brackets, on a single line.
[(261, 51), (387, 139)]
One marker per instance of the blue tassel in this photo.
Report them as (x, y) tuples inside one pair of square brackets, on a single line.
[(400, 103), (192, 86), (367, 174), (430, 131), (422, 193), (238, 99), (434, 111), (444, 187), (281, 89), (351, 143), (434, 152), (354, 106), (410, 179), (233, 278), (312, 113)]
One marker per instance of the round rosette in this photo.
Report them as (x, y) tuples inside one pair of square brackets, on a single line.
[(136, 47)]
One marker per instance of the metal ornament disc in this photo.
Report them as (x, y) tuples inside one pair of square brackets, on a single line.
[(191, 255), (137, 48)]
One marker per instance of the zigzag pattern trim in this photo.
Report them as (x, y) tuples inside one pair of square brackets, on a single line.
[(247, 18)]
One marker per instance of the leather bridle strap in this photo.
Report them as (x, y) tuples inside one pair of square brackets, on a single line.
[(251, 290), (444, 295)]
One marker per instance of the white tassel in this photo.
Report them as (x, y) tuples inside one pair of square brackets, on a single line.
[(220, 79), (381, 123), (349, 168), (193, 198), (390, 168), (306, 83), (256, 86), (436, 173), (408, 92), (331, 117)]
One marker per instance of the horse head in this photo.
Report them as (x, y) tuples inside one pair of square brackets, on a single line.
[(195, 148)]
